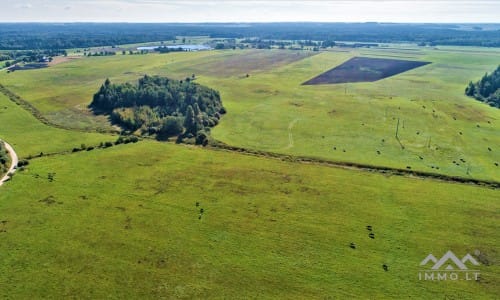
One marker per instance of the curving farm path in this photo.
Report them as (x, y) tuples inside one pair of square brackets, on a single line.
[(13, 159)]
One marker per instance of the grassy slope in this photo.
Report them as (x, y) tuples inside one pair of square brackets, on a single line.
[(267, 109), (30, 137), (62, 92), (120, 227), (123, 223), (271, 111)]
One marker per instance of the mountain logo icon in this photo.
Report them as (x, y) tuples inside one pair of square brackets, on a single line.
[(449, 261)]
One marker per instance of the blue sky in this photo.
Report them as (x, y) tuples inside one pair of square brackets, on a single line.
[(440, 11)]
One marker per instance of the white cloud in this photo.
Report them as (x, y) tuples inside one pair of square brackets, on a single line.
[(26, 6), (253, 10)]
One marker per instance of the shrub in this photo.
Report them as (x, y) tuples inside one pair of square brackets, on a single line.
[(201, 138), (171, 126), (23, 162)]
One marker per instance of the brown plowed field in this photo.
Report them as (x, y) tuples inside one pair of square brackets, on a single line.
[(365, 69)]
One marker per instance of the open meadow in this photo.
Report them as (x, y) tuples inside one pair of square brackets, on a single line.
[(156, 220), (29, 137), (440, 129), (124, 222)]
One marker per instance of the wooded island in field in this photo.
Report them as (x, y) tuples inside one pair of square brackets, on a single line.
[(162, 106)]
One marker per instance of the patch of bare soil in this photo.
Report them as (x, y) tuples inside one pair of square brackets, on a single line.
[(365, 69), (60, 59)]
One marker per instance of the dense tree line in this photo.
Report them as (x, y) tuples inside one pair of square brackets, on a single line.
[(82, 35), (24, 36), (101, 53), (161, 106), (487, 89), (30, 55), (3, 159), (164, 49)]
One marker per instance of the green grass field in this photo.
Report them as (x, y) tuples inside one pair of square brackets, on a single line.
[(272, 111), (122, 222), (30, 137)]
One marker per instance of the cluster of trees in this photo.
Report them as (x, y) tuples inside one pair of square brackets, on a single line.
[(101, 53), (268, 44), (13, 57), (161, 106), (164, 49), (82, 35), (286, 44), (131, 52), (487, 89)]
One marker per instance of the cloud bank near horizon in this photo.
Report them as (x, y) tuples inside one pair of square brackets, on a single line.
[(441, 11)]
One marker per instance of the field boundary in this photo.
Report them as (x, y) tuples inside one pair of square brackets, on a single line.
[(217, 145), (26, 105), (221, 146)]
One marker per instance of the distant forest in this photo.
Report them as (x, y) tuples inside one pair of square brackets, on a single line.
[(487, 89), (161, 106), (30, 36)]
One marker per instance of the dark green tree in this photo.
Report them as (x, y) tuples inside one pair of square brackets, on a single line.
[(487, 89), (470, 89), (171, 126), (190, 120)]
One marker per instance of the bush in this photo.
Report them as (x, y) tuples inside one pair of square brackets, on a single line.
[(126, 140), (171, 126), (23, 163), (201, 138)]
